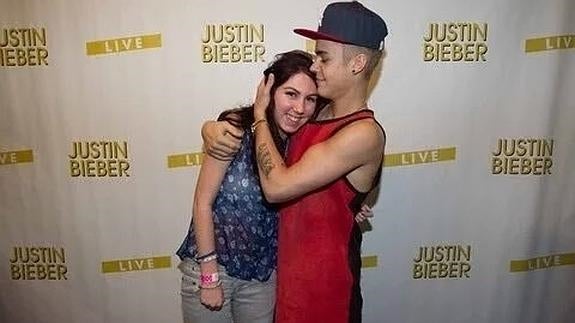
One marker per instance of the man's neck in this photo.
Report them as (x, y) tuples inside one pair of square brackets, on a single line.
[(353, 100)]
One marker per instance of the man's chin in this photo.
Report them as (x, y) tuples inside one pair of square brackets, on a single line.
[(322, 90)]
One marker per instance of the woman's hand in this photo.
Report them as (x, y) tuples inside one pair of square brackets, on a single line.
[(212, 298), (363, 214)]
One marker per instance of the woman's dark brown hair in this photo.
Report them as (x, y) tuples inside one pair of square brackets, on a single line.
[(284, 66)]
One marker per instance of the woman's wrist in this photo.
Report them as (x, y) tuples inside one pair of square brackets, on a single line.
[(209, 280), (211, 286)]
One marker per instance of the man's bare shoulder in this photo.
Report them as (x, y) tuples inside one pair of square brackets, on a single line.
[(365, 132), (363, 138)]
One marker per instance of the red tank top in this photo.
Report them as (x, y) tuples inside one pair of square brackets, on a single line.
[(319, 241)]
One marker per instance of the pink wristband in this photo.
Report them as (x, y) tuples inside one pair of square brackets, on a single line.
[(209, 278)]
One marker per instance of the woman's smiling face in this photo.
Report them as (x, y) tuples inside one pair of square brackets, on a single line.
[(295, 103)]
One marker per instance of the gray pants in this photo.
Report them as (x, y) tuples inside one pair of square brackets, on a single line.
[(244, 301)]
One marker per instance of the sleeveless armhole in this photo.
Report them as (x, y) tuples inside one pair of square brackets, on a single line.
[(355, 204)]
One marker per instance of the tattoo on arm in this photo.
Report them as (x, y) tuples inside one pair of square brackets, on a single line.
[(265, 159)]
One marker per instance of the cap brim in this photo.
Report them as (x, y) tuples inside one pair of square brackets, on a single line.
[(312, 34)]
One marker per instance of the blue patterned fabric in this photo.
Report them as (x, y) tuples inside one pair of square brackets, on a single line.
[(245, 224)]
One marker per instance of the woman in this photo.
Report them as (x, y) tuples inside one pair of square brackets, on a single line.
[(229, 255)]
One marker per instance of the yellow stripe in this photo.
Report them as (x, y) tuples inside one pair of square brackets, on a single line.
[(565, 259), (185, 160), (549, 43), (369, 262), (137, 264), (420, 157), (116, 45), (16, 157)]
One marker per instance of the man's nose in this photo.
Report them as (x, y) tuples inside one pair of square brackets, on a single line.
[(314, 67)]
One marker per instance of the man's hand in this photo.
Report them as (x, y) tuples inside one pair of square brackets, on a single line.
[(263, 97), (221, 139)]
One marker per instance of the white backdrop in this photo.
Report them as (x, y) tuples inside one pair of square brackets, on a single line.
[(129, 77)]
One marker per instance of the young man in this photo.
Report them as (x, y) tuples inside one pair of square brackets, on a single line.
[(332, 163)]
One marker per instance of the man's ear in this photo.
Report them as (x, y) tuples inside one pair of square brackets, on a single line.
[(358, 63)]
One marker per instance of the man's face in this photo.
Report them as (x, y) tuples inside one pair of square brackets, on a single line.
[(331, 70)]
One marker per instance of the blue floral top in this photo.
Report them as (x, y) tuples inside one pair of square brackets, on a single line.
[(245, 225)]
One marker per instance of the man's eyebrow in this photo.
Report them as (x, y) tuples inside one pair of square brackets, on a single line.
[(321, 53)]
